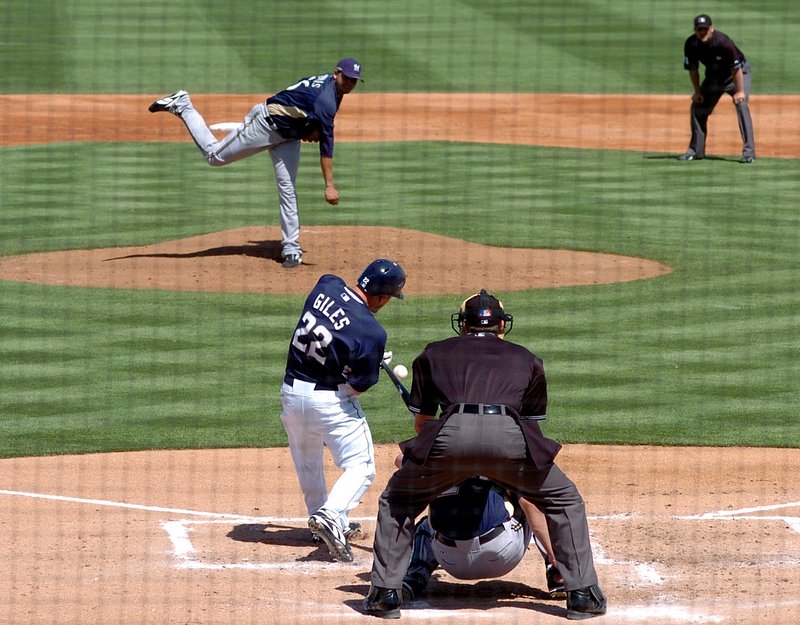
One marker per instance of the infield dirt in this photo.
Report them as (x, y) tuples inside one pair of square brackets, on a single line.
[(692, 535)]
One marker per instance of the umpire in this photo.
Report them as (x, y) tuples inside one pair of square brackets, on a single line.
[(727, 71), (492, 393)]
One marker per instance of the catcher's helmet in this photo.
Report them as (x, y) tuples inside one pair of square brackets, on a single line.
[(481, 310), (383, 277)]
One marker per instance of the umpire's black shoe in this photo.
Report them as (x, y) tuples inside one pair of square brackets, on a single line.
[(382, 602), (585, 603)]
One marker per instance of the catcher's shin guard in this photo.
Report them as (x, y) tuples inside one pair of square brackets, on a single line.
[(423, 562)]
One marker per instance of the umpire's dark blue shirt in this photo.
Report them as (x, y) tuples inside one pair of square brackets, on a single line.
[(336, 333)]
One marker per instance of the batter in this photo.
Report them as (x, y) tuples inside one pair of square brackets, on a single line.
[(334, 356)]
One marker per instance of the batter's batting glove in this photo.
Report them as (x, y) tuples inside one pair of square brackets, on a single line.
[(387, 357)]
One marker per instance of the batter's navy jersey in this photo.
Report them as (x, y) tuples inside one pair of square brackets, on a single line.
[(306, 107), (720, 56), (337, 339)]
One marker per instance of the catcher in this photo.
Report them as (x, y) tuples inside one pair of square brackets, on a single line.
[(478, 530)]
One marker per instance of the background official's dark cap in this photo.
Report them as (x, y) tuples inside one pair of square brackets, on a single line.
[(350, 68), (702, 21)]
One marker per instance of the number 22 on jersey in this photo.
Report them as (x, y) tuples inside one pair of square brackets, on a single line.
[(312, 338)]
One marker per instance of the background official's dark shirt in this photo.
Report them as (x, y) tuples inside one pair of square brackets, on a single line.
[(720, 56)]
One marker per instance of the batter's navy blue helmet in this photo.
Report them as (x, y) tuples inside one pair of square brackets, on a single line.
[(383, 277)]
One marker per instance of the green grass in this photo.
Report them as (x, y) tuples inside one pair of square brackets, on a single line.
[(705, 355), (148, 46)]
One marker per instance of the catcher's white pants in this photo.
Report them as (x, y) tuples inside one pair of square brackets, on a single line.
[(256, 134), (469, 559), (315, 418)]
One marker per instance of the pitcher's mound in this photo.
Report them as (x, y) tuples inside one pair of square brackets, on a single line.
[(248, 260)]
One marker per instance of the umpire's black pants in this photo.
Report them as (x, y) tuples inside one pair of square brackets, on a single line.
[(712, 92), (492, 446)]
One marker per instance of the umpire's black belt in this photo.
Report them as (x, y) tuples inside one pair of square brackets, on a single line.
[(482, 539), (482, 409)]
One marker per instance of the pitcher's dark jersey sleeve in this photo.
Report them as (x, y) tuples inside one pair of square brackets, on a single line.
[(307, 107)]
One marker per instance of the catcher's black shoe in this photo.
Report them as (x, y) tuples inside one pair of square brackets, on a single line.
[(555, 583), (585, 603), (382, 602), (332, 535), (414, 585)]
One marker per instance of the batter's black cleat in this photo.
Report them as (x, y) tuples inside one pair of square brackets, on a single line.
[(747, 160), (688, 156), (585, 603), (555, 583), (382, 602), (168, 102), (332, 535)]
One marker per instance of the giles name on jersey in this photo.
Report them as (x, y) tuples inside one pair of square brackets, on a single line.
[(325, 304)]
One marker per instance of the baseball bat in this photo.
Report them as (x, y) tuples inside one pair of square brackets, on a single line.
[(404, 394)]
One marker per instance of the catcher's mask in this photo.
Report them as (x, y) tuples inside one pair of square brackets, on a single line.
[(383, 277), (482, 310)]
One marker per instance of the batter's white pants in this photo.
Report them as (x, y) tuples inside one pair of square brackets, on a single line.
[(255, 135), (314, 418)]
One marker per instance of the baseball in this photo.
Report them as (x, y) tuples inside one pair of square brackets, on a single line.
[(401, 371)]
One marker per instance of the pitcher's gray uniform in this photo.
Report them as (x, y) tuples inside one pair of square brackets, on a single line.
[(302, 112)]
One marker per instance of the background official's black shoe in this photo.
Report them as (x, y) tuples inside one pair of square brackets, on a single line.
[(382, 602), (585, 603)]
